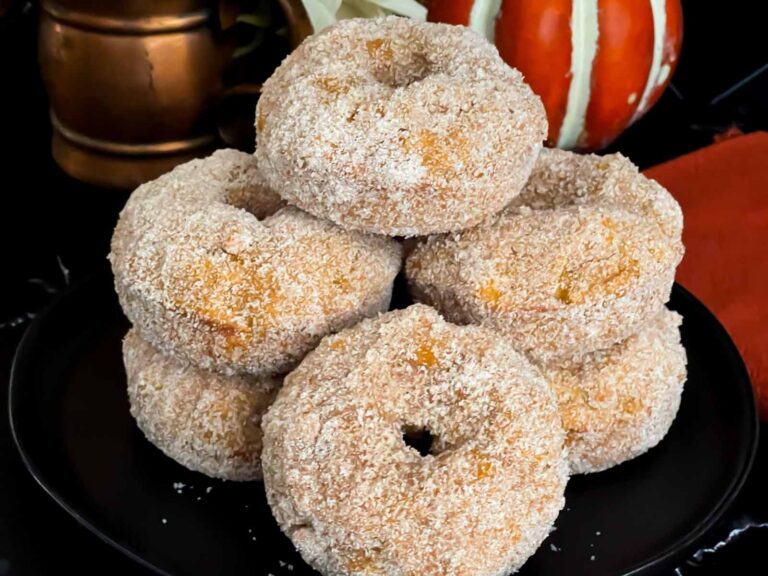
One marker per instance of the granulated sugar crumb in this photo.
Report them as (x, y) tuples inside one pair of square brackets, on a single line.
[(554, 548), (165, 521), (208, 490), (598, 533), (592, 558)]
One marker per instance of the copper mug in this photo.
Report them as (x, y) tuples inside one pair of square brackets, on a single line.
[(133, 84)]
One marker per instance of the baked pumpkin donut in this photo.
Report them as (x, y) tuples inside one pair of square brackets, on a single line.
[(398, 127), (355, 498), (205, 421), (580, 261), (618, 403), (209, 268)]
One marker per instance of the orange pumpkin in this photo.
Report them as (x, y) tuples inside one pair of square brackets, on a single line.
[(598, 65)]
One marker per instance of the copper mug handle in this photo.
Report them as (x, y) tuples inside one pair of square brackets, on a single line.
[(229, 122)]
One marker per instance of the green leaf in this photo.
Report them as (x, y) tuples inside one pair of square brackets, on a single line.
[(253, 19), (241, 51)]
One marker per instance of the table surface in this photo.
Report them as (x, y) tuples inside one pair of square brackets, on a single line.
[(54, 230)]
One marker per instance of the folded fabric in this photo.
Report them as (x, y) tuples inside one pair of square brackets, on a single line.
[(723, 190)]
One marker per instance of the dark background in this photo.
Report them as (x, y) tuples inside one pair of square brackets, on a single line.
[(54, 229)]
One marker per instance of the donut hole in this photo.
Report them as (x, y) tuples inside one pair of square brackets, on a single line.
[(395, 66), (420, 438), (258, 201), (399, 76)]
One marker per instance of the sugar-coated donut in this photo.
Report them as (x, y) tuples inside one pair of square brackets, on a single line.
[(356, 499), (580, 261), (398, 127), (207, 270), (207, 422), (618, 403)]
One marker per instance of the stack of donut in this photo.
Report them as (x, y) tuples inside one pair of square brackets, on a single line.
[(227, 289), (435, 439), (575, 272)]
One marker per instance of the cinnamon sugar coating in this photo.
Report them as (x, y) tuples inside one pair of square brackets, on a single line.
[(581, 260), (618, 403), (205, 421), (210, 268), (398, 127), (355, 499)]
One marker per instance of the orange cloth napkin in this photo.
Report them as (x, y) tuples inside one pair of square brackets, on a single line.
[(723, 190)]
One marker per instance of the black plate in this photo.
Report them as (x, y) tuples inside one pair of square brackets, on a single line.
[(69, 417)]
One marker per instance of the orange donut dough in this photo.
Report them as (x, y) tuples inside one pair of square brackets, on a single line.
[(356, 499), (584, 258), (209, 268), (618, 403), (398, 127), (206, 422)]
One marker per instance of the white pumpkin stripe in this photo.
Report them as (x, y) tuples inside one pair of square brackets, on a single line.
[(584, 36), (482, 17), (657, 73)]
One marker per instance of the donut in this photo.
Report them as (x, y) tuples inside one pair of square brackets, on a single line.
[(398, 127), (356, 497), (205, 421), (208, 267), (618, 403), (580, 261)]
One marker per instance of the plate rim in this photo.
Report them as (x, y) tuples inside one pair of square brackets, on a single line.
[(32, 468), (674, 550)]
